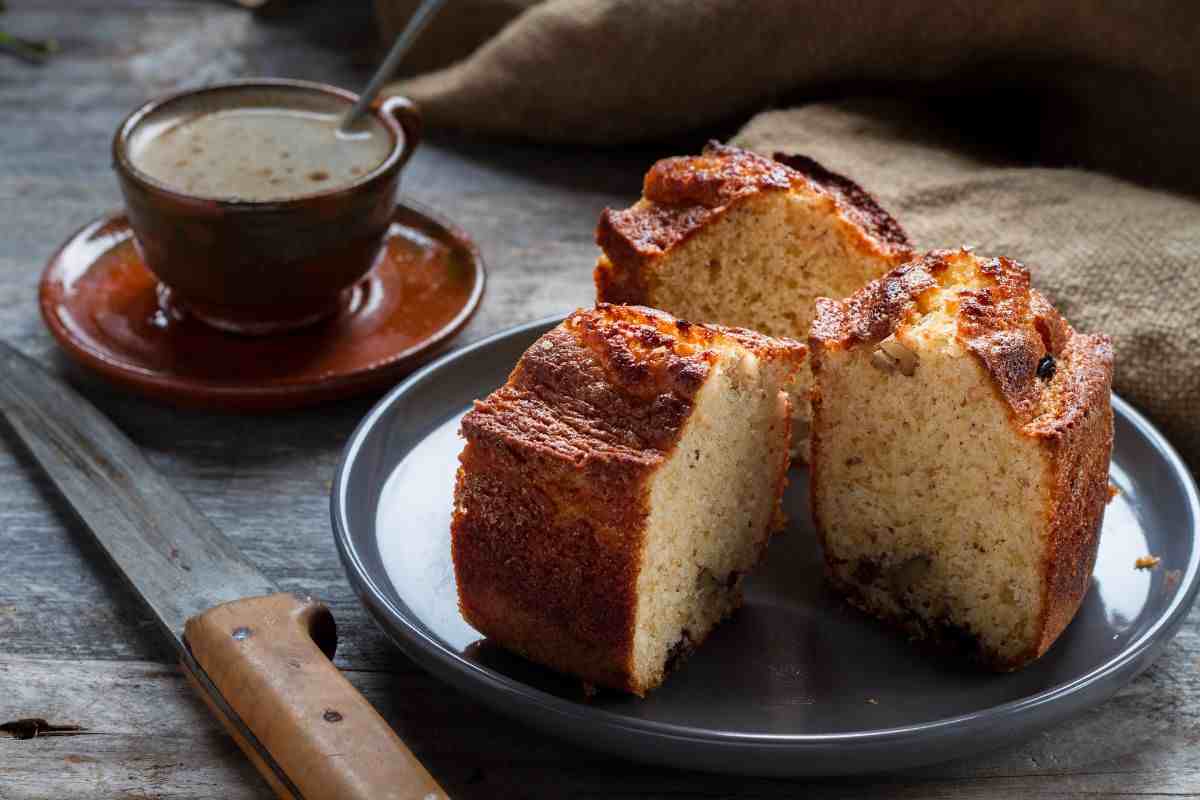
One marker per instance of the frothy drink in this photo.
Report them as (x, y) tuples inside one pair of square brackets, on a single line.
[(256, 146)]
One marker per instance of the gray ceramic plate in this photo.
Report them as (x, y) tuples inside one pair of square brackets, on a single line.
[(796, 683)]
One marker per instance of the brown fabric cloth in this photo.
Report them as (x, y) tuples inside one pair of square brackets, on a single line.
[(457, 30), (1115, 256), (1111, 83)]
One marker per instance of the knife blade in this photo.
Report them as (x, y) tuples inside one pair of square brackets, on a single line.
[(177, 561), (247, 648)]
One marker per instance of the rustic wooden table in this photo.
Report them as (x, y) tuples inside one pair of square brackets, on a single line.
[(75, 648)]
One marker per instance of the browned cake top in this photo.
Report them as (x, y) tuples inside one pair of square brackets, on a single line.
[(1046, 372), (716, 177), (681, 194), (874, 311), (614, 382)]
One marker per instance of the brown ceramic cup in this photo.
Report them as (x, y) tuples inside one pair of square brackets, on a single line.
[(260, 267)]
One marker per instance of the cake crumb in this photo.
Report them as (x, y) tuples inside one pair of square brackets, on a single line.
[(1171, 580), (1113, 491), (1147, 562)]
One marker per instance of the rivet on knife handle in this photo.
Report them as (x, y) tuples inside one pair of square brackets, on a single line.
[(265, 656)]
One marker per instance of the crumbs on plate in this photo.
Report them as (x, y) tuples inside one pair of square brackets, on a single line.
[(1171, 580), (1147, 562)]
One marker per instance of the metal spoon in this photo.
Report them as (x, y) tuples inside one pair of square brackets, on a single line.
[(420, 18)]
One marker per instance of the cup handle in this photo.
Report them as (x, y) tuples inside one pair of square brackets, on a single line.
[(405, 112)]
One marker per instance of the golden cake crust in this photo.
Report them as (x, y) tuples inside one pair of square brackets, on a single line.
[(1010, 328), (1055, 381), (681, 195), (566, 448)]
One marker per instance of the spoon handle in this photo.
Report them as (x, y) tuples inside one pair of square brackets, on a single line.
[(420, 18)]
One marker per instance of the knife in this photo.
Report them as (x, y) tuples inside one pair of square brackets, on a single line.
[(260, 658)]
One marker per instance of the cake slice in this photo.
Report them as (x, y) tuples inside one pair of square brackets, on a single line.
[(960, 448), (735, 238), (615, 491)]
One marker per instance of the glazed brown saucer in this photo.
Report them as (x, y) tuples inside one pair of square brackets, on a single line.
[(108, 312)]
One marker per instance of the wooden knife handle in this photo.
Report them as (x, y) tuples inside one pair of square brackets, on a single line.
[(269, 657)]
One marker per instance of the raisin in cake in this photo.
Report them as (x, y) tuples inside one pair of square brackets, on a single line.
[(612, 494), (735, 238), (960, 447)]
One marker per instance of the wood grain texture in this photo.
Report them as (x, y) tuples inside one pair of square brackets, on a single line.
[(148, 737), (74, 646)]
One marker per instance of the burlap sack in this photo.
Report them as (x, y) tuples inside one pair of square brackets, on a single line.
[(1110, 83), (457, 30), (1116, 256)]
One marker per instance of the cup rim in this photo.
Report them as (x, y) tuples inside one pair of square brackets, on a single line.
[(124, 164)]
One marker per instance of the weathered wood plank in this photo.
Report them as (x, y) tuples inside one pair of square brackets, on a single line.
[(147, 736)]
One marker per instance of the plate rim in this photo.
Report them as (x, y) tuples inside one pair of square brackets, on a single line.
[(427, 646)]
